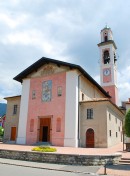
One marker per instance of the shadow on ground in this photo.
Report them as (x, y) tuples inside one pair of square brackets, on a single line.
[(125, 167)]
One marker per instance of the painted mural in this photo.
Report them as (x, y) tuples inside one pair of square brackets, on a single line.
[(47, 91)]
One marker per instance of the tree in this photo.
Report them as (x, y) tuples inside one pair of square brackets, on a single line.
[(1, 131), (127, 123)]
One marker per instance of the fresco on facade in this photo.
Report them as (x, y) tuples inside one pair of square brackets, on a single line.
[(47, 91)]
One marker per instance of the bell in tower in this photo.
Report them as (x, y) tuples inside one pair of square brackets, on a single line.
[(106, 57)]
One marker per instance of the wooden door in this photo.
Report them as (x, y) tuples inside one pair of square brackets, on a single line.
[(90, 138), (13, 133), (45, 133)]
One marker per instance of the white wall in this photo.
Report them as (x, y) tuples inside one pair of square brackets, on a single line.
[(114, 123), (71, 110), (89, 90), (21, 138)]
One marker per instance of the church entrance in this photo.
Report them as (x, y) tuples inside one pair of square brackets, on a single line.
[(44, 134), (90, 138)]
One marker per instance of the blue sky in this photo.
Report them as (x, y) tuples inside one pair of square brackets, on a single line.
[(67, 30)]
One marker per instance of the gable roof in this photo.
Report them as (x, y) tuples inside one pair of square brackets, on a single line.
[(101, 100), (17, 96), (44, 60)]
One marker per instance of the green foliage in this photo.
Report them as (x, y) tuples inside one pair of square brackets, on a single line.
[(1, 131), (127, 124), (44, 149)]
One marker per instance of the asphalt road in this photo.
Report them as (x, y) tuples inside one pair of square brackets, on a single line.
[(12, 170)]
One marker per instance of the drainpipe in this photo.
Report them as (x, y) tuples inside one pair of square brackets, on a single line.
[(78, 110)]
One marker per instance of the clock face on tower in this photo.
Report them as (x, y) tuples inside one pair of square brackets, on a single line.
[(106, 75), (106, 72)]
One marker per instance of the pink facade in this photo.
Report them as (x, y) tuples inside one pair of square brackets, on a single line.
[(40, 112), (113, 92)]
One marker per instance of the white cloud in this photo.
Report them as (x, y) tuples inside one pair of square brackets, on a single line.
[(97, 78), (13, 21), (37, 39), (124, 84), (7, 85), (60, 30)]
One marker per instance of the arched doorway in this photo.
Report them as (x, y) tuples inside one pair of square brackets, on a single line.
[(90, 138)]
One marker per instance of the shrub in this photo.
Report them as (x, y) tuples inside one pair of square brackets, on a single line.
[(1, 131), (127, 124), (44, 149)]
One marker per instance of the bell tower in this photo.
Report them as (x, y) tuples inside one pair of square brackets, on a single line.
[(108, 66)]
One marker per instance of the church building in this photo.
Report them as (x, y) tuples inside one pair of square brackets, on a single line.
[(63, 105)]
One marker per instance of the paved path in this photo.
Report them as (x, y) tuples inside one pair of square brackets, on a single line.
[(117, 170), (71, 150)]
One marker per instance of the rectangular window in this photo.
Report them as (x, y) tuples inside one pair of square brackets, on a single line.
[(15, 109), (116, 134), (109, 116), (58, 125), (110, 133), (82, 96), (59, 91), (89, 113), (33, 94), (31, 125)]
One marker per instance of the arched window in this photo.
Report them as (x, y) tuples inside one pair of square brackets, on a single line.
[(58, 125), (105, 38), (106, 57), (31, 125)]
